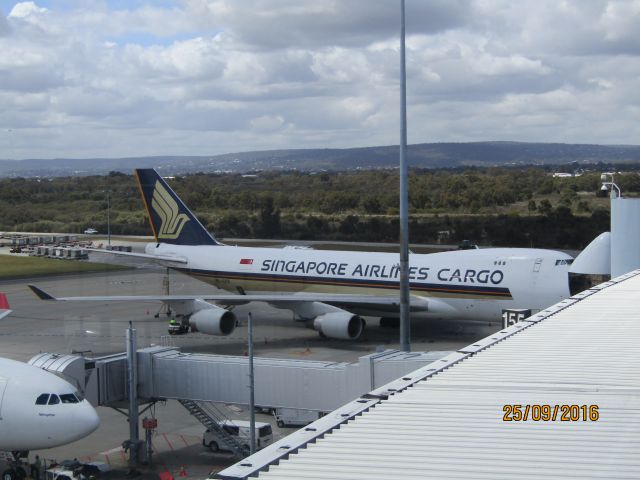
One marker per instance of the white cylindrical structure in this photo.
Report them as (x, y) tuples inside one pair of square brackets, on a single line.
[(625, 234)]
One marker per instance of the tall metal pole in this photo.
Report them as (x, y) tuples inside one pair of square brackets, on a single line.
[(132, 380), (252, 403), (109, 216), (405, 325)]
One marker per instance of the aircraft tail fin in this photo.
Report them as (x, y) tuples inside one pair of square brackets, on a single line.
[(596, 258), (4, 306), (592, 266), (4, 303), (171, 221)]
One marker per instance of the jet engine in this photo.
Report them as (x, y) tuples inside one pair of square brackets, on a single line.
[(340, 325), (213, 321)]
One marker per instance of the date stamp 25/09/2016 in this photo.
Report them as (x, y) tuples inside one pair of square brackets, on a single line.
[(550, 413)]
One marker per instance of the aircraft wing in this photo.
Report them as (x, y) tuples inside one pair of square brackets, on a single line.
[(344, 301), (163, 258)]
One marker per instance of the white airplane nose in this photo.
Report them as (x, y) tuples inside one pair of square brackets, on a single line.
[(88, 420)]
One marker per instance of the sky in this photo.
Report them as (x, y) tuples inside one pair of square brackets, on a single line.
[(119, 78)]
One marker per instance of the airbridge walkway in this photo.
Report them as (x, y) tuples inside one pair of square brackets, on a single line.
[(167, 373)]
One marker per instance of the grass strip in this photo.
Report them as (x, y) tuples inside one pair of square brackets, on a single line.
[(17, 266)]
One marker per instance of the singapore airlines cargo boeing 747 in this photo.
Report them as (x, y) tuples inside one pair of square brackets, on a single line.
[(336, 288)]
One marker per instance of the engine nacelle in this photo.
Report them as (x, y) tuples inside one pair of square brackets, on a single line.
[(340, 325), (213, 321)]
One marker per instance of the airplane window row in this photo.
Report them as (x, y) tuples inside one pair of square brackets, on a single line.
[(53, 399)]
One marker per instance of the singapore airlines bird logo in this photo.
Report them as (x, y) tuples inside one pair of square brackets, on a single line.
[(171, 222)]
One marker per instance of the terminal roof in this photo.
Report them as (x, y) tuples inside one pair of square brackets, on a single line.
[(447, 419)]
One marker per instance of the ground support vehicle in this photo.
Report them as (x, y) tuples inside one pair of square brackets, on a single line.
[(241, 431)]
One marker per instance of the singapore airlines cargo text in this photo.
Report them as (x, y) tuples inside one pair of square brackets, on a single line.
[(380, 271)]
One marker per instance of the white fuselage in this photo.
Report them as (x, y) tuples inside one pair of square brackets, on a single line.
[(26, 423), (468, 284)]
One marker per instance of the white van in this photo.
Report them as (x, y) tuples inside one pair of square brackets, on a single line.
[(295, 417), (241, 430)]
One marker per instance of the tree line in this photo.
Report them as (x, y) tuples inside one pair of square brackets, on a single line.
[(498, 206)]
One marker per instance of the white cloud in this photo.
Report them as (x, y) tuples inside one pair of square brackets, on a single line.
[(27, 10), (285, 24), (511, 65), (268, 123), (214, 76), (194, 58), (340, 65)]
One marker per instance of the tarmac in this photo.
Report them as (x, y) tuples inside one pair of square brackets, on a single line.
[(98, 328)]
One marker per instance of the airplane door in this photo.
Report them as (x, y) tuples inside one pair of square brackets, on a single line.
[(3, 386), (537, 265)]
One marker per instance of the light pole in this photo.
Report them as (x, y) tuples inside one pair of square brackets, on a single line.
[(108, 192), (606, 185), (405, 335)]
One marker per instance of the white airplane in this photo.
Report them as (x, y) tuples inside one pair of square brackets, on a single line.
[(37, 408), (336, 288)]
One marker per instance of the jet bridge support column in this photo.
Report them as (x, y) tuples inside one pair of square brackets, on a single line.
[(132, 381)]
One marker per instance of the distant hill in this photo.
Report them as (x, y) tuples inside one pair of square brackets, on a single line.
[(424, 155)]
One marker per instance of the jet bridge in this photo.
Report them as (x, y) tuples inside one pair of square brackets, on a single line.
[(167, 373)]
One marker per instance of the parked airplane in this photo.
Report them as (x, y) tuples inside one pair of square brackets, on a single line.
[(39, 409), (336, 288)]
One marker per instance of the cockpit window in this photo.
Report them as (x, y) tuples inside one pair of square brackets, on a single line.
[(42, 399), (79, 396), (68, 398), (53, 399)]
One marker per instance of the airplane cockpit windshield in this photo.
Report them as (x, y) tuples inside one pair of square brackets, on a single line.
[(53, 399), (68, 398)]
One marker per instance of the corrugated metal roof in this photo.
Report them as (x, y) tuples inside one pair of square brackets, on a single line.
[(446, 420)]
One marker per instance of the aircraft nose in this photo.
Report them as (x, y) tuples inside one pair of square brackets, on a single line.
[(88, 420)]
